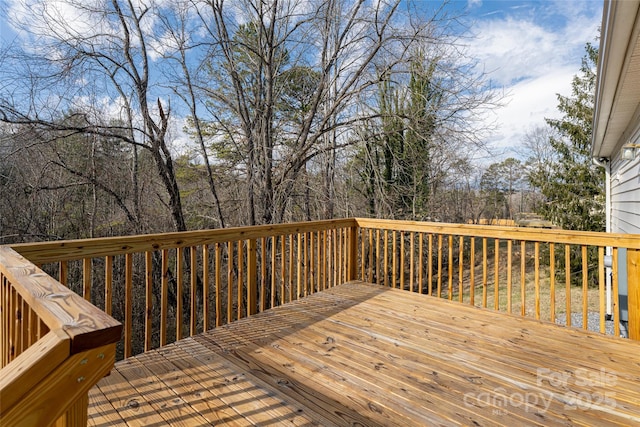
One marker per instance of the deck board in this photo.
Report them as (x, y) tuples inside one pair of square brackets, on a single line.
[(361, 354)]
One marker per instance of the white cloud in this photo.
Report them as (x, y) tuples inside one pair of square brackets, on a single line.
[(532, 53), (56, 18), (474, 3), (43, 24), (529, 103)]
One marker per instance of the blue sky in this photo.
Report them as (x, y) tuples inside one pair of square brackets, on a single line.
[(530, 50)]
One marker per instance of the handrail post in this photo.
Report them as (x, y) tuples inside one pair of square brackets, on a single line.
[(352, 260), (77, 414), (633, 283)]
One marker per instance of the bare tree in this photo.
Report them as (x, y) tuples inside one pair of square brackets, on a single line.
[(274, 43), (92, 59), (275, 96), (427, 124), (183, 80)]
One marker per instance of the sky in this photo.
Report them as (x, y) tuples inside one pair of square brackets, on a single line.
[(530, 49)]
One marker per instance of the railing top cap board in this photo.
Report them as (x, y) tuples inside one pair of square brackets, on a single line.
[(67, 250), (631, 241), (59, 308)]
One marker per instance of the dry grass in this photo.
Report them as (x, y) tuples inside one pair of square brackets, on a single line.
[(486, 297)]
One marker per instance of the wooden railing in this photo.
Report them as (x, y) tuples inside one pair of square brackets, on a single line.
[(167, 286), (551, 275), (54, 347)]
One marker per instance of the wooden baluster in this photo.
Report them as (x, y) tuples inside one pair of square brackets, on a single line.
[(193, 258), (420, 260), (567, 275), (509, 274), (305, 261), (472, 273), (336, 264), (329, 255), (485, 273), (240, 277), (345, 255), (230, 255), (128, 305), (362, 256), (461, 270), (601, 289), (14, 319), (318, 283), (496, 274), (615, 298), (148, 310), (523, 277), (401, 260), (263, 273), (23, 331), (386, 258), (378, 258), (218, 284), (439, 287), (283, 268), (164, 297), (12, 315), (394, 267), (412, 260), (298, 266), (310, 263), (450, 268), (336, 257), (633, 281), (552, 281), (536, 279), (34, 320), (585, 289), (340, 256), (4, 321), (205, 287), (86, 278), (370, 247), (290, 267), (179, 292), (274, 245), (63, 272), (430, 265), (252, 282), (323, 259), (108, 284)]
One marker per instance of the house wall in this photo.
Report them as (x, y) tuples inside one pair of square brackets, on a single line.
[(625, 193)]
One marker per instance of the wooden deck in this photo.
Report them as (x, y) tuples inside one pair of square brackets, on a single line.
[(361, 354)]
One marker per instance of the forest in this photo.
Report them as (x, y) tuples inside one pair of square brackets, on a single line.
[(124, 117)]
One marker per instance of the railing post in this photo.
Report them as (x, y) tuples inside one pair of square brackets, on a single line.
[(252, 282), (633, 283), (352, 259), (76, 415)]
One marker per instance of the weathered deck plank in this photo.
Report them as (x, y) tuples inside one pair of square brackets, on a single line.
[(369, 355)]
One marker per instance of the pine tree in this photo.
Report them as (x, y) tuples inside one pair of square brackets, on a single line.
[(574, 190)]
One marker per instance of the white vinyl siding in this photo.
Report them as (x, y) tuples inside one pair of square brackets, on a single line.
[(625, 195)]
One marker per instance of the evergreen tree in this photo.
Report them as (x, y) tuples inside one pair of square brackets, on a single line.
[(498, 184), (574, 190)]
